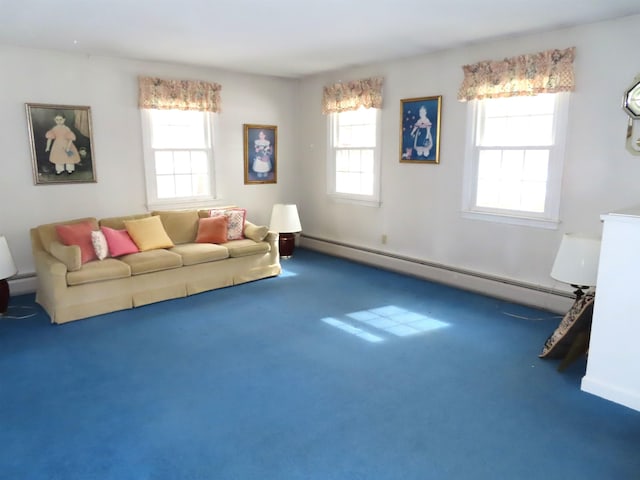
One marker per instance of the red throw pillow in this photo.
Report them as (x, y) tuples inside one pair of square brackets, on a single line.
[(78, 234), (119, 241), (212, 229)]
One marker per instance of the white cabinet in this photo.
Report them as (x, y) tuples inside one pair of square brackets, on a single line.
[(613, 364)]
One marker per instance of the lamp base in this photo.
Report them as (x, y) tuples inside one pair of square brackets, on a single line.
[(287, 244), (4, 296)]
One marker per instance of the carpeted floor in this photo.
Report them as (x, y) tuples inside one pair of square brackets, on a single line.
[(333, 370)]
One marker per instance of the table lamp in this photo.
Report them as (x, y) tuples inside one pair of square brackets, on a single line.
[(576, 262), (285, 221), (7, 269)]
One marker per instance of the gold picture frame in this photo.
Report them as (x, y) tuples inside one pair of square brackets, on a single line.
[(260, 154), (420, 125), (61, 143)]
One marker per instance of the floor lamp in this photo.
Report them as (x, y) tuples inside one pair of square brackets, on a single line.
[(7, 269), (285, 221)]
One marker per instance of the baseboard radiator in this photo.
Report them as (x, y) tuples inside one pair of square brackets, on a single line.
[(23, 283), (504, 288)]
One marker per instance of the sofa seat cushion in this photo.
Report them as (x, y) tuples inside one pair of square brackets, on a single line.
[(246, 247), (152, 261), (194, 253), (98, 271)]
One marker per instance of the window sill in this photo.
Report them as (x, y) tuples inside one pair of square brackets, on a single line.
[(354, 201), (184, 204), (511, 219)]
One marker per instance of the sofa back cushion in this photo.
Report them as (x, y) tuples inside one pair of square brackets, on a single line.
[(118, 222), (180, 225)]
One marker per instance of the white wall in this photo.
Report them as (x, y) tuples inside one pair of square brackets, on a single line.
[(109, 87), (420, 212)]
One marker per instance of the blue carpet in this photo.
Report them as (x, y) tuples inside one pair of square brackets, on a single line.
[(334, 370)]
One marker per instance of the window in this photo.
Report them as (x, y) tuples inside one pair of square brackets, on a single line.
[(178, 157), (514, 159), (354, 155)]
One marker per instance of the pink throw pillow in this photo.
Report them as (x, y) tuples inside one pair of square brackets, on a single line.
[(213, 229), (119, 241), (78, 234), (237, 217)]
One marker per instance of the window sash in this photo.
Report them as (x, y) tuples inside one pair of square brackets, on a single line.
[(353, 166), (178, 172), (479, 202)]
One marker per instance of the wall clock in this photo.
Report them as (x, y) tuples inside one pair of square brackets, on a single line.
[(631, 106)]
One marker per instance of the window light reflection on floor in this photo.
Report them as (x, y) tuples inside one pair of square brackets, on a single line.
[(389, 319), (286, 273)]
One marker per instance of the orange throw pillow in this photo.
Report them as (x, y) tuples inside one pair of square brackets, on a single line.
[(78, 234), (212, 229)]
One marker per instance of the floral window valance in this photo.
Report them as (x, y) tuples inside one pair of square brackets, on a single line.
[(159, 94), (341, 97), (545, 72)]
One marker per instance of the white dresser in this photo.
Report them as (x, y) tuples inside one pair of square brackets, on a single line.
[(613, 364)]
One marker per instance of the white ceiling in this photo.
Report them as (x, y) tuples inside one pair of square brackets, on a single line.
[(288, 38)]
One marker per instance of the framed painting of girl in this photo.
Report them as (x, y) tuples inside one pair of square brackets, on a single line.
[(260, 154), (420, 130), (61, 144)]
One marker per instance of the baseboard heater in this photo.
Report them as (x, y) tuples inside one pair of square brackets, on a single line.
[(378, 257), (23, 283)]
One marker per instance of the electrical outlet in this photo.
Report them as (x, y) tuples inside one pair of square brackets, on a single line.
[(384, 239)]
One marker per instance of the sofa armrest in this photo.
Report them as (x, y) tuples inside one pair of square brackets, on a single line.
[(69, 255), (255, 232), (51, 272), (272, 238)]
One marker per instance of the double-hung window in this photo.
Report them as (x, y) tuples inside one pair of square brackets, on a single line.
[(514, 159), (178, 157), (354, 156)]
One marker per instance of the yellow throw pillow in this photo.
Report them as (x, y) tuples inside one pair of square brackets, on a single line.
[(148, 233)]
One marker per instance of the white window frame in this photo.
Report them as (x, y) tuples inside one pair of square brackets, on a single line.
[(550, 218), (153, 202), (372, 200)]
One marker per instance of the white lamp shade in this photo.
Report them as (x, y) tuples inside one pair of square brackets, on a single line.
[(285, 219), (577, 260), (7, 267)]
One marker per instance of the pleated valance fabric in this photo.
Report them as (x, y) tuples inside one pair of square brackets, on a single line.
[(160, 94), (550, 71), (342, 97)]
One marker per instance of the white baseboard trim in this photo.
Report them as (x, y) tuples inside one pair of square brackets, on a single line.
[(503, 288), (23, 283), (610, 392)]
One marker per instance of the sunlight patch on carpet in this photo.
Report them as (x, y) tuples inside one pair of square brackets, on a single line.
[(358, 332), (390, 320), (287, 273)]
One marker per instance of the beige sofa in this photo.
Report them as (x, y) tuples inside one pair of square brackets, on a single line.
[(69, 290)]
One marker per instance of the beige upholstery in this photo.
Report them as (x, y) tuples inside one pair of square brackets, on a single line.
[(68, 290), (181, 226), (193, 253)]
